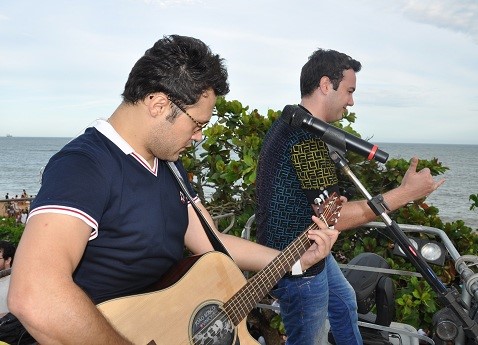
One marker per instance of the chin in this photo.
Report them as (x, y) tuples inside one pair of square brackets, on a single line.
[(175, 157)]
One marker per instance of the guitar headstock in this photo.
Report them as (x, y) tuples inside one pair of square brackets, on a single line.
[(328, 210)]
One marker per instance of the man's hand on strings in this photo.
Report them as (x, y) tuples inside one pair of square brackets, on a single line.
[(324, 238)]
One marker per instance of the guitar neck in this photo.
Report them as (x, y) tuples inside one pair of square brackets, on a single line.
[(260, 284)]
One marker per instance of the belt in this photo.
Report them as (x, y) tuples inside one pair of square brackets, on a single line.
[(310, 272)]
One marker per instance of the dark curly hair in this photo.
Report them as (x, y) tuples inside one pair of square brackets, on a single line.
[(182, 67), (329, 63), (7, 250)]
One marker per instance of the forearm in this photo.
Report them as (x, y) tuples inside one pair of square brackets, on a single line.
[(254, 257), (357, 213), (248, 255), (43, 295), (64, 316)]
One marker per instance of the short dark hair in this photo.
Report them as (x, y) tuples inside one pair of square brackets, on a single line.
[(7, 250), (181, 67), (329, 63)]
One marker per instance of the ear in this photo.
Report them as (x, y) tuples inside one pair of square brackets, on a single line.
[(8, 263), (157, 103), (325, 84)]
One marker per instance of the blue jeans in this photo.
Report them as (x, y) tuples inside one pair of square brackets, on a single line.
[(305, 302)]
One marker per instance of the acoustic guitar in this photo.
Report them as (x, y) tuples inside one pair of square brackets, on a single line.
[(205, 299)]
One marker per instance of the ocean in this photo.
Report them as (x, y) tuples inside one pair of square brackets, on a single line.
[(22, 160), (461, 180)]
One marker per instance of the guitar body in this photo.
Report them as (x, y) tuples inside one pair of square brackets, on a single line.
[(188, 306), (187, 312)]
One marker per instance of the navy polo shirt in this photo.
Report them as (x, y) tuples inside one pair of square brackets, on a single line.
[(138, 214)]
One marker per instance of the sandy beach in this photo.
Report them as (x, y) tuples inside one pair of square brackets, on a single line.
[(15, 205)]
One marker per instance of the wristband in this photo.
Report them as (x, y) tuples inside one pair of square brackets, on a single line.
[(296, 269)]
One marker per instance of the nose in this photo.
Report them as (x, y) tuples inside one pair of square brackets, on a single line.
[(197, 136)]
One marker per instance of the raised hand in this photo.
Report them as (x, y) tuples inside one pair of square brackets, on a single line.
[(418, 184)]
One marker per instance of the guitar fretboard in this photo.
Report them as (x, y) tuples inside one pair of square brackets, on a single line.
[(260, 284)]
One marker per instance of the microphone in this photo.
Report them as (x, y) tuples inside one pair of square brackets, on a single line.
[(297, 117)]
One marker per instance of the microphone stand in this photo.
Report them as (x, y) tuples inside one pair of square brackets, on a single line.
[(447, 298)]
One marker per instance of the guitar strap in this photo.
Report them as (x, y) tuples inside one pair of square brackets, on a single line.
[(216, 243)]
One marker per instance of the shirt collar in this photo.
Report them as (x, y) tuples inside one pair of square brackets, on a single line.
[(105, 128)]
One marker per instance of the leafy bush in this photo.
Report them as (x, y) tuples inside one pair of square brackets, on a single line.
[(223, 172), (10, 230), (474, 200), (225, 166)]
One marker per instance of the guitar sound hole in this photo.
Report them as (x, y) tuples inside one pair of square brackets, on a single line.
[(211, 326)]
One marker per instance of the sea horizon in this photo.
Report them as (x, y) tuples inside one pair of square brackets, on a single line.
[(23, 159), (375, 142)]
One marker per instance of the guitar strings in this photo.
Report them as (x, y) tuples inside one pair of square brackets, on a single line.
[(330, 207), (224, 318)]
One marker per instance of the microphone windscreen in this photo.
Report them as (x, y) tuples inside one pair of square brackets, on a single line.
[(287, 113), (294, 115), (298, 117)]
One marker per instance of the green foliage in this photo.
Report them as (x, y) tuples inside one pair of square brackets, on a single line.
[(474, 200), (226, 163), (464, 237), (417, 302), (277, 323), (10, 230), (223, 173)]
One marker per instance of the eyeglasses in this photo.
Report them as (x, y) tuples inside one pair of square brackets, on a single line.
[(200, 125)]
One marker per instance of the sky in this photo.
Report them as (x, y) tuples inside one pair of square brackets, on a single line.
[(63, 64)]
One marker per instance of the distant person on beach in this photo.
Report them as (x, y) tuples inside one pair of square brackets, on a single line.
[(6, 196), (11, 209), (294, 173), (23, 216), (110, 211)]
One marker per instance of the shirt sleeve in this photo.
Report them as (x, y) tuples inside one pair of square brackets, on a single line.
[(74, 184)]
